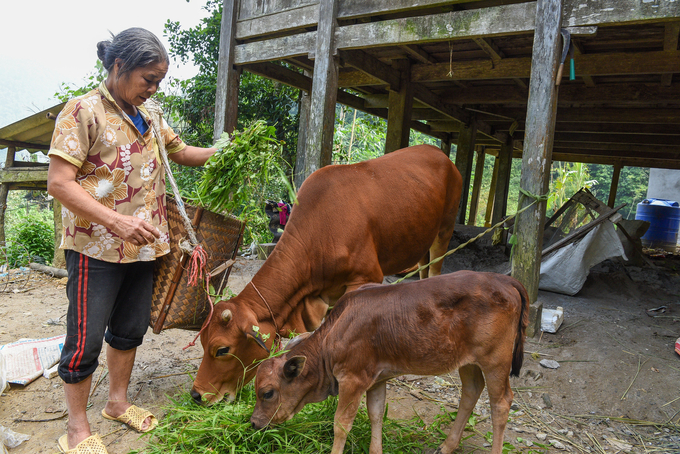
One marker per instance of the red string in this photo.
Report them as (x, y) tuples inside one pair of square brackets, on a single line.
[(198, 269)]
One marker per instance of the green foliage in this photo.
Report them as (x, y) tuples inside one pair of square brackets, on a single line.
[(242, 175), (225, 427), (30, 235), (567, 178), (359, 136)]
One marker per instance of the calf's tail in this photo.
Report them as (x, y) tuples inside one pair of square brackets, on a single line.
[(518, 353)]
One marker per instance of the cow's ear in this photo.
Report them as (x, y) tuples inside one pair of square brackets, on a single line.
[(294, 367)]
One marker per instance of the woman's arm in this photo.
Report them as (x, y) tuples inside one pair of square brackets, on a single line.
[(62, 185), (192, 156)]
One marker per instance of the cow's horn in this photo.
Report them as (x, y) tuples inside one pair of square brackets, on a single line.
[(226, 315)]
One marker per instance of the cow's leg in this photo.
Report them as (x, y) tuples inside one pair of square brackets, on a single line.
[(439, 248), (349, 396), (424, 261), (472, 386), (500, 398), (375, 404)]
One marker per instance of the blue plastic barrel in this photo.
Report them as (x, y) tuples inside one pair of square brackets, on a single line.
[(664, 222)]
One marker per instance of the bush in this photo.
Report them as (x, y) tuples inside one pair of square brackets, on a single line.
[(30, 240)]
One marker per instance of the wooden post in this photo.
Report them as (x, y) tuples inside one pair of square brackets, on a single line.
[(466, 146), (492, 194), (446, 146), (537, 156), (4, 192), (300, 155), (59, 260), (615, 184), (228, 76), (476, 185), (500, 203), (324, 91), (399, 110)]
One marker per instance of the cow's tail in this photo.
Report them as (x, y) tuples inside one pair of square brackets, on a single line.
[(518, 353)]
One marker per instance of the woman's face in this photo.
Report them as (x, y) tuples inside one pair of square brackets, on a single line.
[(138, 85)]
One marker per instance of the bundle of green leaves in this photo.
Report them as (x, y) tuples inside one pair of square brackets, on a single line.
[(246, 170)]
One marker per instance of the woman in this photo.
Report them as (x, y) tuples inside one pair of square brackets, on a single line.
[(106, 171)]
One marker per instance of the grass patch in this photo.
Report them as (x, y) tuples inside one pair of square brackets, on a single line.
[(225, 428)]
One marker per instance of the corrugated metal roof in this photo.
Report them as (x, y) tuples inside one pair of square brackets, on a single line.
[(32, 133)]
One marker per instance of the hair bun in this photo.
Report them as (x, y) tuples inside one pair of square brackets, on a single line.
[(101, 50)]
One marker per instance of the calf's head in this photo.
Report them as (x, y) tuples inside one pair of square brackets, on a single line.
[(233, 343), (282, 388)]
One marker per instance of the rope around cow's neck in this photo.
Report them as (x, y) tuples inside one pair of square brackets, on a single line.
[(512, 240), (270, 309)]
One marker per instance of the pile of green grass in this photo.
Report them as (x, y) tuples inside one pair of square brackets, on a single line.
[(225, 428)]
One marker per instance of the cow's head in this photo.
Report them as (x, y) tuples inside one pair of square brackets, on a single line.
[(282, 388), (233, 343)]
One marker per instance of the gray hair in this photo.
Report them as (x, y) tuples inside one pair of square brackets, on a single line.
[(135, 47)]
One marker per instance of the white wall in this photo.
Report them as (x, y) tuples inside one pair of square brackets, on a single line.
[(664, 184)]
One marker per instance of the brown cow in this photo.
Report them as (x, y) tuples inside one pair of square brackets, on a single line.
[(353, 225), (470, 321)]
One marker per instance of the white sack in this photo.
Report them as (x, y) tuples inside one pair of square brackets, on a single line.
[(565, 270)]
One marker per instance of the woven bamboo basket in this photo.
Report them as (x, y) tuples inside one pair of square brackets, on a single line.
[(176, 304)]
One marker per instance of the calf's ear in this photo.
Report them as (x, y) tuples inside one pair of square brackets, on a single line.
[(294, 367)]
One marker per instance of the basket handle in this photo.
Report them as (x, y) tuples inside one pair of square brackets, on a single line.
[(165, 308)]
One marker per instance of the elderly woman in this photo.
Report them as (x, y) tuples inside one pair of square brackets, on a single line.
[(106, 170)]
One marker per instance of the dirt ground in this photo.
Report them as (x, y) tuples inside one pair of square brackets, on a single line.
[(617, 388)]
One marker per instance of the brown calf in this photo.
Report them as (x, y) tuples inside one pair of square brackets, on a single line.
[(470, 321), (353, 225)]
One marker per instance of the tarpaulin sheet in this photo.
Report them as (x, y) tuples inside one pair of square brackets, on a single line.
[(565, 270)]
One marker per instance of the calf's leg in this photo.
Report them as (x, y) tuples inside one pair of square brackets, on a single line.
[(375, 404), (472, 386), (349, 395), (500, 398)]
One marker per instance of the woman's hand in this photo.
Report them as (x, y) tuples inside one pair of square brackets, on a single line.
[(134, 230), (192, 156), (62, 185)]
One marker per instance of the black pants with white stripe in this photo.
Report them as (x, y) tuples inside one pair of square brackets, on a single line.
[(110, 301)]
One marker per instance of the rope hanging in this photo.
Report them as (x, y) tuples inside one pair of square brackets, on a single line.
[(512, 240), (198, 264)]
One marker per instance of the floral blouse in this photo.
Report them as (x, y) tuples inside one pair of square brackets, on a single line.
[(120, 168)]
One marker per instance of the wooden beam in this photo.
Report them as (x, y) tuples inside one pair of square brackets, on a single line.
[(476, 185), (670, 44), (399, 110), (492, 194), (427, 97), (281, 74), (301, 155), (373, 67), (446, 146), (580, 138), (502, 20), (535, 179), (419, 54), (603, 64), (23, 175), (282, 18), (637, 150), (464, 155), (24, 145), (502, 187), (614, 185), (324, 91), (595, 114), (228, 77), (613, 160), (632, 95)]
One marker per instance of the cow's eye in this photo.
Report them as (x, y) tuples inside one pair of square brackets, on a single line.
[(268, 395), (221, 352)]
